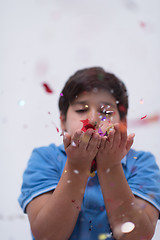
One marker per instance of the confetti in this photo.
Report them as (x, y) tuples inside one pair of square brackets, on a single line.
[(73, 144), (61, 94), (141, 101), (144, 117), (21, 103), (104, 236), (108, 170), (117, 102), (103, 119), (142, 24), (68, 181), (86, 125), (56, 127), (47, 88), (127, 227), (135, 157), (76, 171), (65, 171)]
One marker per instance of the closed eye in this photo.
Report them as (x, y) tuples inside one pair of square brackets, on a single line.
[(107, 112), (81, 110)]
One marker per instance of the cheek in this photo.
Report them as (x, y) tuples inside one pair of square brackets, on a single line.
[(72, 125)]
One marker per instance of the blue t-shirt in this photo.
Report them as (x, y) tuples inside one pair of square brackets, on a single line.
[(45, 168)]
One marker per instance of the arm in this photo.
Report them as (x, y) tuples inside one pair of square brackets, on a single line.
[(121, 205), (54, 215)]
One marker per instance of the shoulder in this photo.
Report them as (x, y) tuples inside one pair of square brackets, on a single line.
[(138, 158), (47, 154)]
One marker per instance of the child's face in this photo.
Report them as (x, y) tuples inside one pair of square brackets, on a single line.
[(100, 108)]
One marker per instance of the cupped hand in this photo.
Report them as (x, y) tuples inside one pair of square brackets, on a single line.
[(82, 148), (114, 147)]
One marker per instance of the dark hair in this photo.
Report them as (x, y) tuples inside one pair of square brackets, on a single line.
[(92, 78)]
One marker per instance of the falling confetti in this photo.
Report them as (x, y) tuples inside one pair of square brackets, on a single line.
[(47, 88), (21, 103), (142, 24), (61, 94), (56, 127), (127, 227), (141, 101), (144, 117), (148, 120)]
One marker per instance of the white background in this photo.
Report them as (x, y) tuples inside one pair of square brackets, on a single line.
[(47, 41)]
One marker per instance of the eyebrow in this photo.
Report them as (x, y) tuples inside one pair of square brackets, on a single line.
[(86, 103)]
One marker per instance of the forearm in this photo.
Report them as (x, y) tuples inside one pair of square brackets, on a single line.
[(58, 217), (121, 206)]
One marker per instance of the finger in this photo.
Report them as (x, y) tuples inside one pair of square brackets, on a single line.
[(110, 138), (117, 137), (103, 143), (85, 138), (94, 143), (123, 132), (66, 140), (76, 138), (130, 140)]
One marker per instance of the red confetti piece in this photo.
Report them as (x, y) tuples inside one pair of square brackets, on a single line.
[(144, 117), (49, 112), (47, 88), (57, 129), (86, 125)]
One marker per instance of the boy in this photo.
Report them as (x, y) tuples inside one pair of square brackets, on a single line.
[(94, 186)]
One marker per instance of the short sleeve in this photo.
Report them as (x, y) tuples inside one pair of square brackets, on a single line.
[(41, 175), (144, 176)]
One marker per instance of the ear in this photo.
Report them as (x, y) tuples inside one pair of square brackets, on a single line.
[(63, 122)]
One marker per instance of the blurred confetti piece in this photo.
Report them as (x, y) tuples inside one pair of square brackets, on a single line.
[(61, 94), (55, 126), (104, 236), (144, 117), (142, 24), (47, 88), (76, 171), (127, 227), (21, 103), (148, 120), (141, 101)]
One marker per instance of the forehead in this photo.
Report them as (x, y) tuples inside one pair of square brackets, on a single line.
[(101, 96)]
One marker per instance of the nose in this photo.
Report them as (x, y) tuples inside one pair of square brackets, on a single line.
[(94, 118)]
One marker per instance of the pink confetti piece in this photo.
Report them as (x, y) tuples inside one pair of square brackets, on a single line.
[(47, 88), (61, 94), (142, 24), (144, 117)]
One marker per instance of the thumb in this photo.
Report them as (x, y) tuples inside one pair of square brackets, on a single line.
[(130, 139), (66, 139)]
